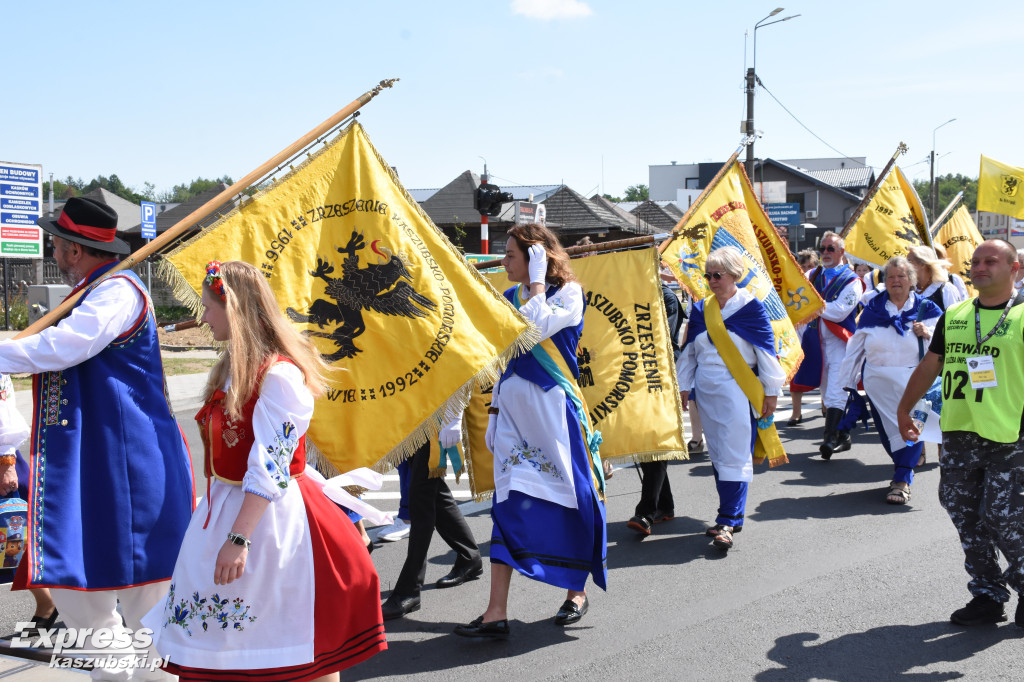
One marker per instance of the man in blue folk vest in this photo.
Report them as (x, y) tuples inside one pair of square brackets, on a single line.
[(824, 340), (111, 489)]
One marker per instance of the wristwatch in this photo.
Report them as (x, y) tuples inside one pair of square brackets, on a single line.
[(240, 540)]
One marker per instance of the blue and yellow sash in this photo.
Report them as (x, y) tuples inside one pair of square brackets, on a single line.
[(768, 444)]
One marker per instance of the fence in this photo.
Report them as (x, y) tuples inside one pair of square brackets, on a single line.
[(24, 272)]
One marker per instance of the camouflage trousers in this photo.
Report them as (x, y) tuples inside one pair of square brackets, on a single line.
[(981, 487)]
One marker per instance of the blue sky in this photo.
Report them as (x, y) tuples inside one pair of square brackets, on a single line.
[(583, 92)]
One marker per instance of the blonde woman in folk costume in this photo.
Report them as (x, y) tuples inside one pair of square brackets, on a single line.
[(549, 522), (730, 435), (273, 581)]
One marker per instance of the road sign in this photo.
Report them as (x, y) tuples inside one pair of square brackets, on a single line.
[(21, 189), (783, 214), (148, 220)]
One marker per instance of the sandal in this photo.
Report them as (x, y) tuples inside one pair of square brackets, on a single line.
[(897, 495), (608, 471), (695, 447), (716, 529), (724, 539)]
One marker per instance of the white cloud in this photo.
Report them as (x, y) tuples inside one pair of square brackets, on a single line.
[(551, 9)]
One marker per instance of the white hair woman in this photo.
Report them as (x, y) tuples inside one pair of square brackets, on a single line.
[(888, 344), (272, 580), (730, 438), (933, 277)]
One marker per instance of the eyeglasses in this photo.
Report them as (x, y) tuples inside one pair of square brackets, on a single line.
[(716, 275), (829, 248)]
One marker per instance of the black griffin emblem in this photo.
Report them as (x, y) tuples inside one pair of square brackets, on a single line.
[(695, 232), (382, 288), (908, 230)]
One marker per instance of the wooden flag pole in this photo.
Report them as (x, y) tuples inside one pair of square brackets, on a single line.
[(213, 204), (870, 194), (620, 244), (942, 216), (707, 190)]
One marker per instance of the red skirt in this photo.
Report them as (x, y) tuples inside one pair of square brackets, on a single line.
[(348, 625)]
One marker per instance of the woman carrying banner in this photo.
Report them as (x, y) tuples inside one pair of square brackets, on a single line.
[(549, 520), (891, 333), (932, 274), (272, 581), (729, 354)]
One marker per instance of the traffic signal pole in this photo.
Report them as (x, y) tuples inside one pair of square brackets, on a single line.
[(485, 237)]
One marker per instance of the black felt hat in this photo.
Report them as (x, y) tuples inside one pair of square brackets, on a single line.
[(88, 222)]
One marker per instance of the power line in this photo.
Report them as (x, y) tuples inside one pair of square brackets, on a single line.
[(845, 156)]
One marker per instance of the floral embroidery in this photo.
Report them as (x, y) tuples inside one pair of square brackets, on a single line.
[(5, 387), (279, 454), (51, 397), (215, 609), (522, 453), (556, 303)]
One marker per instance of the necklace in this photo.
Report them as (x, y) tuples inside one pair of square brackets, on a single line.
[(977, 322)]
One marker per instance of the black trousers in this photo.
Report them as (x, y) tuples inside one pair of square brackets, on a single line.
[(655, 491), (431, 505)]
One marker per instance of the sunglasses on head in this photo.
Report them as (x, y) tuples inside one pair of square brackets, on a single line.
[(829, 248), (716, 275)]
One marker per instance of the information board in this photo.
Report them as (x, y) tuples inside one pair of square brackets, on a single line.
[(21, 205)]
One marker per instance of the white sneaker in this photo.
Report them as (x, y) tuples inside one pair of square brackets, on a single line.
[(399, 530)]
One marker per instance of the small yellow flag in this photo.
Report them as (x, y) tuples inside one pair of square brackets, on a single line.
[(409, 326), (891, 224), (627, 366), (730, 215), (1001, 188), (960, 237)]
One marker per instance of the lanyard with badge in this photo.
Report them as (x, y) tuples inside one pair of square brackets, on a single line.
[(982, 369)]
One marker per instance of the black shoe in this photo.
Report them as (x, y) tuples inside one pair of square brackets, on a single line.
[(981, 610), (397, 606), (1018, 616), (795, 421), (641, 524), (461, 575), (478, 628), (843, 442), (570, 613)]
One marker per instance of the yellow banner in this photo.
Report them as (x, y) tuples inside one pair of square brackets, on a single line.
[(357, 265), (959, 235), (1001, 188), (627, 366), (891, 224), (730, 215)]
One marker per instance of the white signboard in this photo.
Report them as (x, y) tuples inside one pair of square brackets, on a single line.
[(21, 204)]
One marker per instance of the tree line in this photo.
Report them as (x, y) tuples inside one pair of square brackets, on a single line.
[(76, 187)]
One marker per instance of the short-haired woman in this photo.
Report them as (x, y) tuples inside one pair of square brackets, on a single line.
[(730, 437), (888, 343)]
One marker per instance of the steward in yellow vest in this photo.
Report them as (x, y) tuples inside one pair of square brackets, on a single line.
[(979, 348)]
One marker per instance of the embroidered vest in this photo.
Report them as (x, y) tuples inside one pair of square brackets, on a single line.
[(830, 292), (227, 442)]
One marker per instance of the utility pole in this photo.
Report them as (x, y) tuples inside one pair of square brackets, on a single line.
[(751, 81)]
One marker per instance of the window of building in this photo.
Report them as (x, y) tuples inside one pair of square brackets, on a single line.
[(692, 183)]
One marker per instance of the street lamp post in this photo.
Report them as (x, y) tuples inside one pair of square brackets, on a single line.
[(751, 80), (932, 189)]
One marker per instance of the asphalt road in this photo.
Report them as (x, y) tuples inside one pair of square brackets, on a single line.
[(826, 582)]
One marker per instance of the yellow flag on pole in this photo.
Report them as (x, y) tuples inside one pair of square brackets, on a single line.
[(360, 268), (959, 235), (891, 224), (626, 361), (1001, 188), (729, 214)]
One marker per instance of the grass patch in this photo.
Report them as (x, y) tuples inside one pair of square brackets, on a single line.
[(172, 367)]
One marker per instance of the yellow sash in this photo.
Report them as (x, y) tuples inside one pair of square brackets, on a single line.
[(768, 443)]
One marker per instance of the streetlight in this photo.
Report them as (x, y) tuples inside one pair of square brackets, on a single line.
[(931, 187), (751, 79)]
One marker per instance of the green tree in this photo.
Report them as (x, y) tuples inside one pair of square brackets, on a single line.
[(637, 193), (949, 185), (609, 197), (183, 192)]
